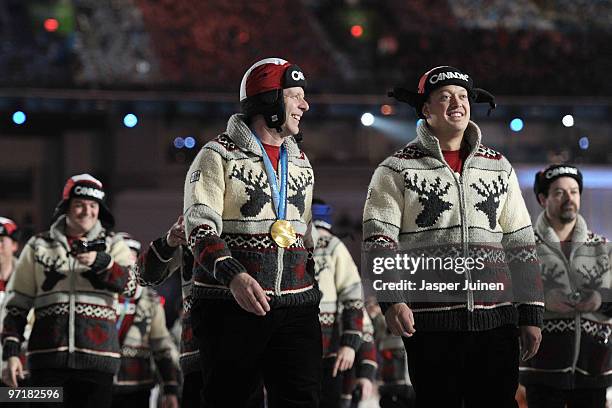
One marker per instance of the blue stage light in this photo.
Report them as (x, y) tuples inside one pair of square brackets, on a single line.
[(516, 124), (19, 118), (130, 120), (179, 142), (190, 142)]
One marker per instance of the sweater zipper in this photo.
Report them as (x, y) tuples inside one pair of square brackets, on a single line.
[(577, 319), (72, 307), (279, 271), (577, 340), (464, 236)]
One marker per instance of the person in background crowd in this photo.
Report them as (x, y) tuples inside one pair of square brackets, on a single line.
[(71, 276), (574, 366), (163, 257), (9, 244), (144, 340), (395, 390), (339, 281), (363, 374)]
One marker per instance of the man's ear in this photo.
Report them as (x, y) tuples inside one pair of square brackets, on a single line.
[(541, 199), (425, 110)]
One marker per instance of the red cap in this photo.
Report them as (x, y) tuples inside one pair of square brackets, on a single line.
[(8, 228)]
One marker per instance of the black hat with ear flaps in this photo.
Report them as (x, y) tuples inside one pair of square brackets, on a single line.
[(436, 78)]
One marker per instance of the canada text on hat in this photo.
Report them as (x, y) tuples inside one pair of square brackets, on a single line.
[(7, 227), (83, 186), (439, 77), (448, 74), (560, 171), (544, 178)]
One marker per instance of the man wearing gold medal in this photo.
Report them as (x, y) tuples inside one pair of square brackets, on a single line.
[(247, 210)]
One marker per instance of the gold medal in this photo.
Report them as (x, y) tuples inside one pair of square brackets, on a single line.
[(283, 233)]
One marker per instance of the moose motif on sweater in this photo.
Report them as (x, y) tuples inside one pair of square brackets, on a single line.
[(255, 188), (299, 185), (491, 192), (593, 276), (551, 277), (321, 264), (52, 276), (430, 197)]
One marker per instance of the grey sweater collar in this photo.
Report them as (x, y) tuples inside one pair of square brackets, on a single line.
[(547, 234), (430, 143)]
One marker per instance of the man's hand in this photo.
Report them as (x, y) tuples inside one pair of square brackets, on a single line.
[(176, 233), (249, 295), (400, 320), (591, 303), (87, 258), (557, 301), (14, 372), (344, 360), (531, 336), (366, 388), (169, 401)]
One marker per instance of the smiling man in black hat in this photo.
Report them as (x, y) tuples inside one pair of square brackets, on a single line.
[(574, 366), (70, 275), (443, 192)]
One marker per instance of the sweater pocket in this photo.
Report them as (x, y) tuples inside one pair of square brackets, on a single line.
[(595, 355), (50, 330), (295, 274)]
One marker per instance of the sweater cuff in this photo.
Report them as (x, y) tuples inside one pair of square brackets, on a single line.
[(351, 340), (170, 389), (11, 349), (103, 261), (226, 269), (164, 251), (531, 315)]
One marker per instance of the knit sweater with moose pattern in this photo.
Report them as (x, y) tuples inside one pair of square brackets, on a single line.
[(74, 304), (417, 204), (340, 284), (575, 350), (146, 345), (229, 212)]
